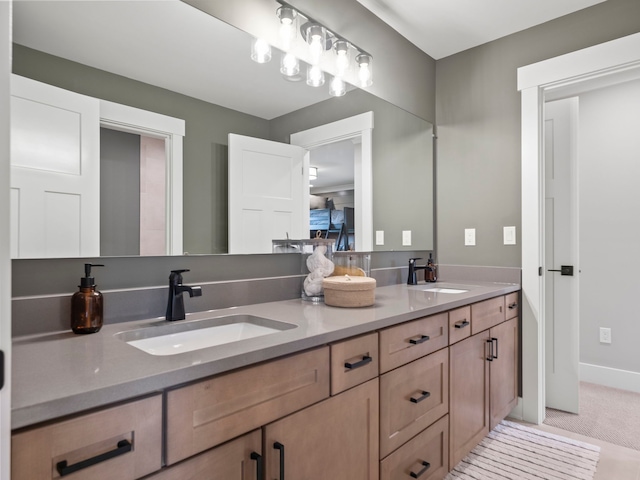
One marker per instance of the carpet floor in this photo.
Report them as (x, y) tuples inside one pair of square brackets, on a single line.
[(515, 452), (606, 413)]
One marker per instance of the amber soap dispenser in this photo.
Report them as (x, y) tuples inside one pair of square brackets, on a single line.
[(86, 304)]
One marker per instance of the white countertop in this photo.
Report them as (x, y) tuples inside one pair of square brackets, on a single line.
[(57, 374)]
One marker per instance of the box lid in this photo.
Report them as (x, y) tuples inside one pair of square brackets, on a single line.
[(349, 283)]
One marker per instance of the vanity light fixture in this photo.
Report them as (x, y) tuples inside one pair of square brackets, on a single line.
[(260, 50), (341, 48), (337, 87), (290, 66), (316, 36), (365, 72), (315, 76), (287, 16), (313, 173)]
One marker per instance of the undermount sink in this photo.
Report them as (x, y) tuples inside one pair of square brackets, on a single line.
[(445, 290), (180, 337)]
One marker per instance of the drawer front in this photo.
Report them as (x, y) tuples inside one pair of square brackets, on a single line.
[(425, 457), (235, 460), (208, 413), (353, 362), (412, 398), (409, 341), (487, 314), (459, 324), (513, 305), (37, 453)]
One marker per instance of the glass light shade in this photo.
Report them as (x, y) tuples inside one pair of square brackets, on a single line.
[(287, 16), (316, 36), (289, 65), (315, 76), (341, 48), (337, 87), (365, 71), (260, 51)]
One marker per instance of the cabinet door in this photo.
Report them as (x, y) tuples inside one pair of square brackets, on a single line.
[(504, 370), (235, 460), (412, 397), (468, 395), (335, 439)]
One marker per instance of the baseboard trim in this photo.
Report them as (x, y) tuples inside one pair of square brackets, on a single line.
[(610, 377)]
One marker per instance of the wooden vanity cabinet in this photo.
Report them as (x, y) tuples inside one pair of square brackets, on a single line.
[(210, 412), (483, 384), (123, 442), (334, 439), (235, 460)]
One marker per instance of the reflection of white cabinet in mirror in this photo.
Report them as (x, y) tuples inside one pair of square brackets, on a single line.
[(55, 169)]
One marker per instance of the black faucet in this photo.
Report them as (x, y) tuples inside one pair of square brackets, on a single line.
[(413, 280), (175, 305)]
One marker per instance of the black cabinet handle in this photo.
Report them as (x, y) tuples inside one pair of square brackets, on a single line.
[(123, 447), (421, 397), (461, 324), (513, 305), (422, 339), (425, 467), (366, 359), (490, 357), (279, 446), (493, 339), (259, 464)]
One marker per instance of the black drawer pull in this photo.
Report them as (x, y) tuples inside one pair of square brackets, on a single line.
[(513, 305), (124, 446), (426, 466), (279, 446), (490, 357), (422, 339), (421, 397), (366, 359), (461, 324), (259, 462)]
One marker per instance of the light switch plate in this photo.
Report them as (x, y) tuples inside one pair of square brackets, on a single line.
[(406, 238), (469, 237), (509, 235), (379, 237)]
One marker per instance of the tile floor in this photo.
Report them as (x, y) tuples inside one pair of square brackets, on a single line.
[(616, 463)]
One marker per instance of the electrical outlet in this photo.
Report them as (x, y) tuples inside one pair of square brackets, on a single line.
[(469, 237), (406, 238), (605, 335), (379, 237)]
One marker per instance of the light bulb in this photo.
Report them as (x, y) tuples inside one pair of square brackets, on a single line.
[(337, 87), (260, 51), (316, 38), (287, 16), (365, 74), (290, 66), (342, 56), (315, 76)]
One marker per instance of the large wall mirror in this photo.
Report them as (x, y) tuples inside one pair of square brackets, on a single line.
[(169, 58)]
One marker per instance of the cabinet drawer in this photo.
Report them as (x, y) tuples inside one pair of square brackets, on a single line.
[(486, 314), (353, 362), (512, 302), (207, 413), (459, 324), (37, 453), (406, 342), (425, 457), (412, 398), (235, 460)]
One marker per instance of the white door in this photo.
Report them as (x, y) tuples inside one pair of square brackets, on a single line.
[(561, 249), (265, 194), (55, 172)]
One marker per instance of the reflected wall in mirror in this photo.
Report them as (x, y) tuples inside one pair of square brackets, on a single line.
[(145, 63)]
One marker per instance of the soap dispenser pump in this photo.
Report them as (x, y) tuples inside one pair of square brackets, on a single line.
[(86, 304), (430, 273)]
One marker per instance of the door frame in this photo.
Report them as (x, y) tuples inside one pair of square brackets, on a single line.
[(172, 130), (358, 126), (534, 82)]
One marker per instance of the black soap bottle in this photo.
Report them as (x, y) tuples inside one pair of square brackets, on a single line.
[(86, 304)]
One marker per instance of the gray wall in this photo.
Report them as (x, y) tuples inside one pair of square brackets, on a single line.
[(402, 163), (609, 202), (478, 119), (119, 193)]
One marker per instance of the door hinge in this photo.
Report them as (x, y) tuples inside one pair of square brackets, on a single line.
[(539, 271)]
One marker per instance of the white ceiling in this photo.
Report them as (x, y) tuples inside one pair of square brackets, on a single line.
[(444, 27)]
